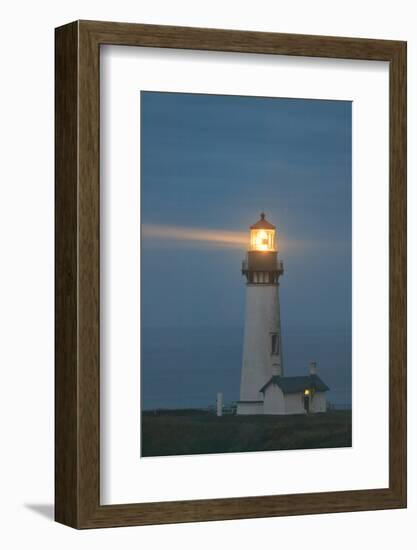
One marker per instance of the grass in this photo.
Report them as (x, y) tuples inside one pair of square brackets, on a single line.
[(191, 432)]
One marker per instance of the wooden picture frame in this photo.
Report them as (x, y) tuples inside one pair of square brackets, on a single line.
[(77, 382)]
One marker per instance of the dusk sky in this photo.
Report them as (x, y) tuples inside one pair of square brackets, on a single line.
[(209, 165)]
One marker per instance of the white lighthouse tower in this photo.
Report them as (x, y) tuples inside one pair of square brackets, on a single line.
[(262, 348)]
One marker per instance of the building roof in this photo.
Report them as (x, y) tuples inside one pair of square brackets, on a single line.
[(296, 384), (262, 223)]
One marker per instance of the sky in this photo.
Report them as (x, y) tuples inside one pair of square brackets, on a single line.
[(209, 165)]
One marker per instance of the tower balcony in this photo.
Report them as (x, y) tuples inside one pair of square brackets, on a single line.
[(277, 267)]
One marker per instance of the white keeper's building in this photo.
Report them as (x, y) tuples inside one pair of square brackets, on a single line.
[(264, 389)]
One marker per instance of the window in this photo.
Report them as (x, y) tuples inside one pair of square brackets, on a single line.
[(275, 343)]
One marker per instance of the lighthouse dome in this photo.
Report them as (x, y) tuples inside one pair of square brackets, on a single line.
[(262, 223)]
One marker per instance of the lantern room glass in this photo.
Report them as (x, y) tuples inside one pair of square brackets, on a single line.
[(262, 239)]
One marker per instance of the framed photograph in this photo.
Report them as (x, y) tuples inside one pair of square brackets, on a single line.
[(230, 274)]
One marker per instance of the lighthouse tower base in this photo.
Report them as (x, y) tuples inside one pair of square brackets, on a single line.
[(261, 353)]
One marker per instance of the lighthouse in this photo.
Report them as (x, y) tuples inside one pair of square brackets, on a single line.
[(263, 387), (262, 347)]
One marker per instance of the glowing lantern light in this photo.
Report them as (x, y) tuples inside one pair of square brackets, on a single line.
[(306, 392), (262, 235)]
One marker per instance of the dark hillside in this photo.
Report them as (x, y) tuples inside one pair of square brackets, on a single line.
[(196, 432)]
